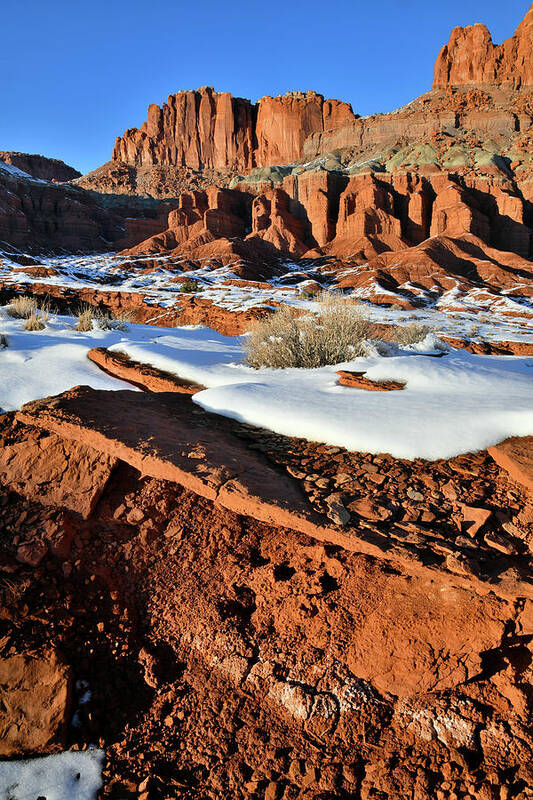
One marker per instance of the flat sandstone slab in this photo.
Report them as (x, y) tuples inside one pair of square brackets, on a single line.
[(52, 470), (166, 437), (120, 365), (515, 456)]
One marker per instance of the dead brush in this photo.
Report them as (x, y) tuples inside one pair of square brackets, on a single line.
[(415, 332), (22, 307), (118, 322), (36, 322), (85, 319), (336, 334)]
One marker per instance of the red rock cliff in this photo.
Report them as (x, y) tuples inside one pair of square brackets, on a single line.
[(471, 57), (207, 129)]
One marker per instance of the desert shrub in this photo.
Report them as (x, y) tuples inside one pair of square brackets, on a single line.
[(22, 307), (108, 322), (413, 333), (335, 335), (85, 319), (190, 287), (36, 321)]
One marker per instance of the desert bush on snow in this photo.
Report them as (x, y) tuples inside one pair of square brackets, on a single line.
[(88, 316), (413, 333), (85, 320), (22, 307), (36, 321), (107, 322), (336, 334)]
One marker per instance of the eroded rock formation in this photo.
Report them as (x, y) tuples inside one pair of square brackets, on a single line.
[(213, 130), (40, 167), (471, 57), (42, 217), (228, 638)]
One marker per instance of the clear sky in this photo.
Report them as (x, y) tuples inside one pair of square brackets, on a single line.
[(77, 73)]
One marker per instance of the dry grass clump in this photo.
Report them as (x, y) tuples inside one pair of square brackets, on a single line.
[(28, 308), (107, 322), (85, 320), (36, 321), (22, 307), (335, 335), (88, 316), (413, 333)]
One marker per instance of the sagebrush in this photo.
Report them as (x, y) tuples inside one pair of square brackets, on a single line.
[(415, 332), (335, 334), (22, 307)]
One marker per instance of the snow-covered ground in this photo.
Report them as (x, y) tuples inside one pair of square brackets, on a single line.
[(454, 404), (476, 314), (64, 776), (40, 363)]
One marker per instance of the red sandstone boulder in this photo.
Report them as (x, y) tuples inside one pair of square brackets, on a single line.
[(516, 457), (35, 699), (357, 380)]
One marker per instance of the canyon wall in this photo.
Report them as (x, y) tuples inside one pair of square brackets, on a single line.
[(207, 129), (40, 216)]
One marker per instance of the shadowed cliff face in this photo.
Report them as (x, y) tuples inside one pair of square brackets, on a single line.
[(40, 167)]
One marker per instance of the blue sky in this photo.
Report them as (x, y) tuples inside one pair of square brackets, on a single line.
[(77, 74)]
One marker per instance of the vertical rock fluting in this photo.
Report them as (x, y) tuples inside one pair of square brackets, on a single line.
[(207, 129), (471, 57), (194, 129)]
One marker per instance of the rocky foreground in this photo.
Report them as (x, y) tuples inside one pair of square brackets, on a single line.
[(224, 611), (233, 613)]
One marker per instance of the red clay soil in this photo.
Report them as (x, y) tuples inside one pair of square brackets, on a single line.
[(228, 657)]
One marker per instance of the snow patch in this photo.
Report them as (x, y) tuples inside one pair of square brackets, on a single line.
[(64, 776)]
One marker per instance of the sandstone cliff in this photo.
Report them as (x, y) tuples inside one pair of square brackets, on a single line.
[(207, 129), (46, 169), (471, 57)]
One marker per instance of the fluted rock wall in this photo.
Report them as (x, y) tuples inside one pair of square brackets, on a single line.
[(205, 129)]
